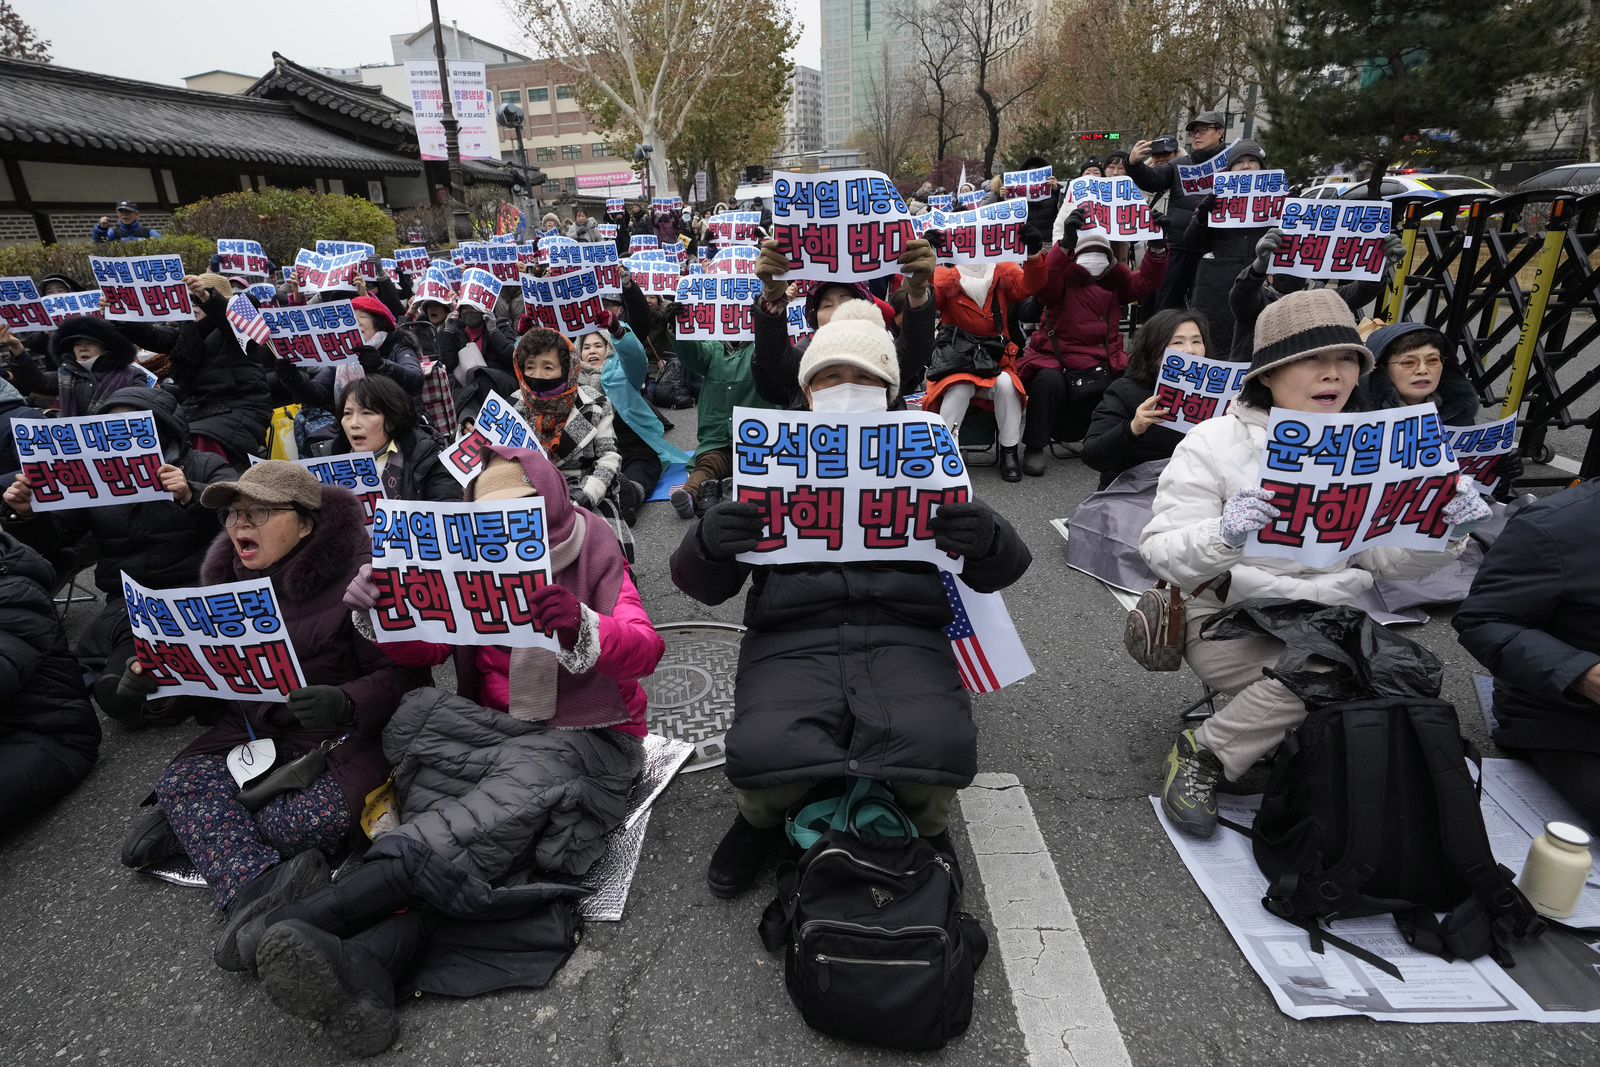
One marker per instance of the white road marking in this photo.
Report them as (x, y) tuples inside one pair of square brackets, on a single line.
[(1061, 1008), (1563, 463)]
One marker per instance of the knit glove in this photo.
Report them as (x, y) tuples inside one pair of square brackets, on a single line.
[(769, 263), (965, 529), (729, 528), (135, 687), (1158, 221), (1466, 512), (1070, 228), (917, 263), (556, 610), (609, 323), (1246, 512), (1394, 249), (321, 707), (1266, 248), (1032, 240), (362, 592), (370, 360), (1202, 210)]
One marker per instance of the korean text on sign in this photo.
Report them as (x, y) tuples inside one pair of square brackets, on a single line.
[(1194, 388), (411, 259), (497, 424), (848, 226), (735, 227), (480, 289), (355, 471), (246, 258), (607, 266), (1197, 177), (460, 574), (90, 461), (1247, 198), (321, 334), (1031, 185), (717, 307), (569, 304), (1114, 205), (1353, 481), (846, 487), (65, 305), (798, 326), (143, 288), (653, 276), (989, 234), (1478, 449), (227, 640), (21, 308), (1332, 239)]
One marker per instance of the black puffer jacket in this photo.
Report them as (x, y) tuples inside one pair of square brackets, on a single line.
[(1165, 178), (1251, 294), (159, 543), (397, 358), (1456, 399), (416, 473), (79, 389), (1111, 446), (498, 342), (1226, 252), (49, 736), (845, 668)]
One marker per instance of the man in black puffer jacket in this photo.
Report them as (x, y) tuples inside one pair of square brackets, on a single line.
[(49, 736), (159, 543), (1206, 136)]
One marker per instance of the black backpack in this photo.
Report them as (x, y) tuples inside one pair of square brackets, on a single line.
[(672, 386), (1370, 810), (879, 950)]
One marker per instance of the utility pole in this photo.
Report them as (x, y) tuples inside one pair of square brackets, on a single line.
[(452, 144)]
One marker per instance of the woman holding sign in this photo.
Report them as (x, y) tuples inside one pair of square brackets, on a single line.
[(376, 415), (1209, 503)]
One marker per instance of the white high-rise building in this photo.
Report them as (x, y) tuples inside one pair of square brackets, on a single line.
[(860, 38), (802, 114)]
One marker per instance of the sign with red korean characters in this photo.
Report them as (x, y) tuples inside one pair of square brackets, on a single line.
[(1478, 449), (1114, 205), (245, 258), (717, 307), (318, 334), (988, 234), (569, 304), (460, 574), (735, 227), (799, 328), (1031, 185), (90, 461), (1198, 177), (480, 289), (1341, 239), (497, 424), (1194, 388), (846, 226), (411, 259), (226, 640), (1248, 199), (1352, 481), (355, 471), (839, 488), (143, 288), (21, 309), (65, 305), (653, 273)]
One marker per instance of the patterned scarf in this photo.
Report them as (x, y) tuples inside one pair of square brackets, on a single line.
[(548, 414)]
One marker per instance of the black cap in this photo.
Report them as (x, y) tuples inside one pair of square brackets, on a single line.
[(127, 205), (1205, 118), (1164, 145)]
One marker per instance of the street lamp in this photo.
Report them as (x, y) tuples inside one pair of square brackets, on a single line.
[(510, 116), (452, 144)]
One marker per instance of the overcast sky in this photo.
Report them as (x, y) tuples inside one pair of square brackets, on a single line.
[(164, 40)]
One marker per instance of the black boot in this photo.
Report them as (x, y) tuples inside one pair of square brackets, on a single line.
[(740, 856), (360, 898), (150, 841), (341, 984), (289, 880), (1010, 464)]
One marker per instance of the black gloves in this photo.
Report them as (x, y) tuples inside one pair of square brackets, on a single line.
[(1032, 240), (135, 687), (966, 529), (320, 707), (729, 528), (1509, 467), (1069, 229), (1202, 210), (1158, 221), (371, 362)]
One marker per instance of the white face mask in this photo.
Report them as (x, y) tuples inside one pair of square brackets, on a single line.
[(842, 399), (1096, 263)]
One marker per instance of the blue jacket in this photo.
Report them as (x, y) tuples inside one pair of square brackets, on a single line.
[(622, 377), (118, 232)]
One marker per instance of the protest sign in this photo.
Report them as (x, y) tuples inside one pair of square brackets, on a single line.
[(21, 309), (1347, 482), (640, 241), (504, 262), (717, 307), (1246, 198), (560, 254), (143, 288), (1114, 205), (391, 269), (989, 234), (505, 237), (607, 266), (226, 640), (971, 199), (1478, 449), (437, 286), (480, 289), (845, 226), (941, 202), (1341, 239), (322, 334), (1197, 177), (607, 231), (569, 304), (497, 423), (1194, 388), (321, 273), (460, 574), (656, 277), (65, 305), (90, 461), (264, 292), (355, 471), (798, 326), (411, 259), (735, 227), (613, 205), (737, 259), (343, 250), (241, 257), (469, 101), (838, 488), (1031, 185)]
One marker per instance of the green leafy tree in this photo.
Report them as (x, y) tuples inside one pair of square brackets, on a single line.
[(287, 220), (73, 259), (18, 39)]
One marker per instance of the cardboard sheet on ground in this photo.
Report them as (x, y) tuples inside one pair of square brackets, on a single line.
[(989, 234), (1114, 205), (1556, 977), (90, 461), (844, 226), (838, 487), (226, 640), (143, 288), (1341, 239)]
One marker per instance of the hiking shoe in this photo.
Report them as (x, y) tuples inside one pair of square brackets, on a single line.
[(313, 974), (682, 502), (150, 841), (1034, 461), (286, 881), (740, 856), (1189, 796)]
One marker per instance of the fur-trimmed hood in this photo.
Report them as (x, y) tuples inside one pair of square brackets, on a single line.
[(336, 546), (119, 350)]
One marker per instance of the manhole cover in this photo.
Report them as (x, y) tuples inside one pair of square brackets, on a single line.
[(691, 692)]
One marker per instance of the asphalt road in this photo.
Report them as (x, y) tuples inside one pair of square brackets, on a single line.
[(100, 964)]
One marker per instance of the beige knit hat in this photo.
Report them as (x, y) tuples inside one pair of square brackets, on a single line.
[(1302, 325), (276, 481), (501, 479), (855, 334), (1093, 241)]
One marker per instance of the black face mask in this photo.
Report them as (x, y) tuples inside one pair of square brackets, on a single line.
[(542, 385), (470, 317)]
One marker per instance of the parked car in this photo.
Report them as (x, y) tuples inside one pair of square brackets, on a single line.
[(1572, 178), (1435, 185)]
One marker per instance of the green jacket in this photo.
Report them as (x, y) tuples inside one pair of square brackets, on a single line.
[(730, 383)]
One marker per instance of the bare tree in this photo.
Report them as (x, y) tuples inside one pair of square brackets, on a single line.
[(891, 125), (940, 56), (18, 39), (994, 43)]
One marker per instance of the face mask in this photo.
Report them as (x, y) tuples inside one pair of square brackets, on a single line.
[(842, 399), (474, 318), (545, 385), (88, 364), (1095, 263)]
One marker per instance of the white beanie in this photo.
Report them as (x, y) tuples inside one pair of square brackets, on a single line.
[(854, 334)]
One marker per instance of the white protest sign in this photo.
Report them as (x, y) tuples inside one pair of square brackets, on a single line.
[(460, 574), (342, 249), (480, 289), (607, 231), (941, 201), (613, 205), (322, 334), (839, 488), (1114, 205), (227, 640), (717, 307), (606, 264), (989, 234), (65, 305), (736, 259), (356, 471), (1194, 388), (143, 288), (497, 424), (560, 254), (1032, 185), (21, 308), (657, 277), (638, 242), (844, 226), (436, 286), (1341, 239), (1197, 177), (971, 199), (1478, 448), (1347, 482), (264, 292), (504, 262), (735, 227), (1248, 198), (90, 461), (411, 259), (245, 258), (569, 304), (322, 273), (469, 100), (798, 326)]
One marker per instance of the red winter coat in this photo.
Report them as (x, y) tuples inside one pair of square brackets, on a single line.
[(1083, 313)]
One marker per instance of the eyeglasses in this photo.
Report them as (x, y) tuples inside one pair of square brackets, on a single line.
[(1412, 363), (258, 514)]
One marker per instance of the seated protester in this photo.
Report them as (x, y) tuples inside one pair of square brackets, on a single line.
[(95, 360), (973, 301), (423, 323), (1080, 331), (310, 539), (1128, 426), (1251, 292), (49, 736), (159, 543), (222, 391), (1208, 503), (520, 775), (376, 416), (13, 405), (563, 402), (1223, 252), (845, 667), (384, 350), (1533, 619), (27, 363), (477, 351)]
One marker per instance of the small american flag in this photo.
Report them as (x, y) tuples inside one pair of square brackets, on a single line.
[(247, 322), (988, 651)]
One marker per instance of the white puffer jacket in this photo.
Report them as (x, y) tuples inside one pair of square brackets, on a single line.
[(1183, 542)]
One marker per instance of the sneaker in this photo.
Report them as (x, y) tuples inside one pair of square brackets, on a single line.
[(1034, 461), (682, 502), (289, 880), (340, 984), (150, 841), (1189, 796), (740, 856)]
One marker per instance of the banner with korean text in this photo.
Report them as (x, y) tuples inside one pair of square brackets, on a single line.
[(143, 288), (497, 423), (90, 461), (245, 258), (1248, 199), (1478, 449), (1194, 388), (320, 334), (569, 304), (1031, 185), (1114, 205), (846, 226), (1341, 239), (355, 471), (988, 234), (717, 307), (21, 308)]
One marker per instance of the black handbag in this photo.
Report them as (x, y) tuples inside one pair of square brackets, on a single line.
[(298, 773), (1088, 384), (955, 351)]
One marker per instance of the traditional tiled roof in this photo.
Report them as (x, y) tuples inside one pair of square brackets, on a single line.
[(364, 103)]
